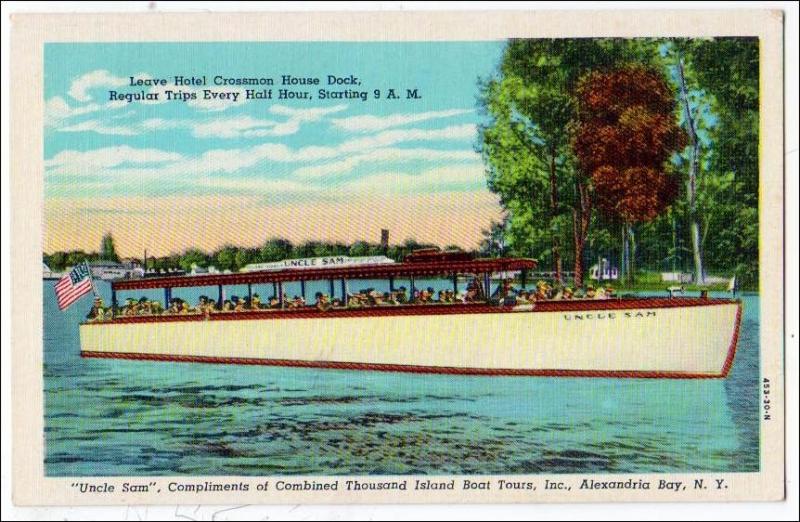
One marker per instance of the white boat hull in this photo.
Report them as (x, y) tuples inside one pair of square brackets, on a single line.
[(616, 340)]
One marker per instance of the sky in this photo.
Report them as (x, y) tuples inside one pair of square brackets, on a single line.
[(167, 175)]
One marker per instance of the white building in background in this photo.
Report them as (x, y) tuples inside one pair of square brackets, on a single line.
[(199, 270), (603, 271), (111, 270)]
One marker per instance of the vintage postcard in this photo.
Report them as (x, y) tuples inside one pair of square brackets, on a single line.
[(397, 257)]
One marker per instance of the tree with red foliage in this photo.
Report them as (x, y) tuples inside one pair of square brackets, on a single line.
[(627, 130)]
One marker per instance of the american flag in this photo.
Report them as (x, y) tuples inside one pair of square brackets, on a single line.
[(73, 285)]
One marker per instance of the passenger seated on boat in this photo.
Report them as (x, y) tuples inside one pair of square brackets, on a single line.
[(239, 305), (542, 291), (322, 304), (174, 306), (354, 301), (337, 303), (211, 306), (186, 309), (609, 292), (128, 309), (144, 307), (590, 292), (255, 303), (472, 294), (568, 293), (473, 287), (97, 312), (503, 290), (202, 303), (388, 299), (227, 306), (429, 293), (600, 293), (522, 296), (156, 308), (376, 299), (274, 303), (400, 295)]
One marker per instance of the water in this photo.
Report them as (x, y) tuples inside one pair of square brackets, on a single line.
[(108, 417)]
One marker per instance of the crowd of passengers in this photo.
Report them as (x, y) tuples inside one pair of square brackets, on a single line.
[(505, 294)]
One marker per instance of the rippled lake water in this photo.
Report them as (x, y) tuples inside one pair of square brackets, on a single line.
[(109, 417)]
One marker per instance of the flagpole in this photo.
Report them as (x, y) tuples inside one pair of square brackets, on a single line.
[(89, 271)]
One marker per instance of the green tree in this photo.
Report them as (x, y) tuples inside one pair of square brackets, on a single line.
[(627, 131), (75, 257), (526, 143), (275, 249), (359, 248), (308, 249), (108, 251), (57, 261), (225, 257), (244, 256), (727, 71), (191, 257)]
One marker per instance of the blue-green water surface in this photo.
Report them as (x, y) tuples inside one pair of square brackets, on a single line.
[(114, 417)]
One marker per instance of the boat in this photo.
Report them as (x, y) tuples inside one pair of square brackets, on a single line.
[(50, 275), (491, 334)]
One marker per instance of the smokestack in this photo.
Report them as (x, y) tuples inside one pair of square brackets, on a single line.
[(385, 239)]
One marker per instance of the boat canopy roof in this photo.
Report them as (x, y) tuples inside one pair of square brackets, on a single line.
[(409, 268)]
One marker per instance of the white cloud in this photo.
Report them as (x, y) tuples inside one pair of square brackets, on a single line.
[(453, 177), (98, 127), (79, 90), (246, 126), (391, 137), (275, 159), (243, 127), (385, 155), (57, 110), (99, 161), (370, 123), (296, 117)]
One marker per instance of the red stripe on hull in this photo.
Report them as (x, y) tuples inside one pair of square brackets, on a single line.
[(734, 341), (398, 367)]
